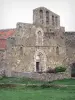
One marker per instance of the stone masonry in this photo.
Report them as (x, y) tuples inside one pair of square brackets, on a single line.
[(37, 46)]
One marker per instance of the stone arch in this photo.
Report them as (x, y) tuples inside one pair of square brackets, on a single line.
[(41, 13), (47, 17), (39, 36), (41, 58)]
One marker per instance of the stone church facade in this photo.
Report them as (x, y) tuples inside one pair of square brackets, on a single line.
[(38, 46)]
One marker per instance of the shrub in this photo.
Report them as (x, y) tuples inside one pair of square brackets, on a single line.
[(56, 69), (60, 69)]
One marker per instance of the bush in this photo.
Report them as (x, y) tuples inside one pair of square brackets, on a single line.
[(60, 69), (56, 70)]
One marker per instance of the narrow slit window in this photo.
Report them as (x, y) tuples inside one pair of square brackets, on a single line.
[(57, 50), (56, 20), (53, 20), (37, 66), (21, 50)]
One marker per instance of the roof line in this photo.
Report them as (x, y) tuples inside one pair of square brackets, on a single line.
[(7, 29), (69, 31)]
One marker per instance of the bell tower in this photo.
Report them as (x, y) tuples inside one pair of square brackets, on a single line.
[(44, 17)]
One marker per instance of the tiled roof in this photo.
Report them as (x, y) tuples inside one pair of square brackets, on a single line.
[(4, 34), (2, 44)]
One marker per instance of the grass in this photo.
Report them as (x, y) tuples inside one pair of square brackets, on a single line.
[(20, 80), (64, 82), (37, 93)]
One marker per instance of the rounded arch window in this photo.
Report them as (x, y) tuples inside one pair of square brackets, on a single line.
[(39, 32), (41, 10), (47, 12), (39, 37)]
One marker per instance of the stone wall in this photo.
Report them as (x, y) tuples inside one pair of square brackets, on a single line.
[(23, 59), (44, 76), (33, 43), (2, 59), (70, 46), (26, 45), (2, 62)]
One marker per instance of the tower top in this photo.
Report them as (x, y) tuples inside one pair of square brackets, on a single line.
[(45, 17), (44, 8)]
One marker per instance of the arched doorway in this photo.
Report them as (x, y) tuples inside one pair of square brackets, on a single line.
[(39, 61)]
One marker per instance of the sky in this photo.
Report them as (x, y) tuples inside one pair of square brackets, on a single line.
[(13, 11)]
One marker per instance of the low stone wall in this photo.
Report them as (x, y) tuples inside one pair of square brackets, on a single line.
[(43, 76), (2, 72)]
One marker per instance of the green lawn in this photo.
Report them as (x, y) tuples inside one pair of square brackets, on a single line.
[(64, 82), (37, 93), (20, 80)]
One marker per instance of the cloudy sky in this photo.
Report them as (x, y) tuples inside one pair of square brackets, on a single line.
[(13, 11)]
